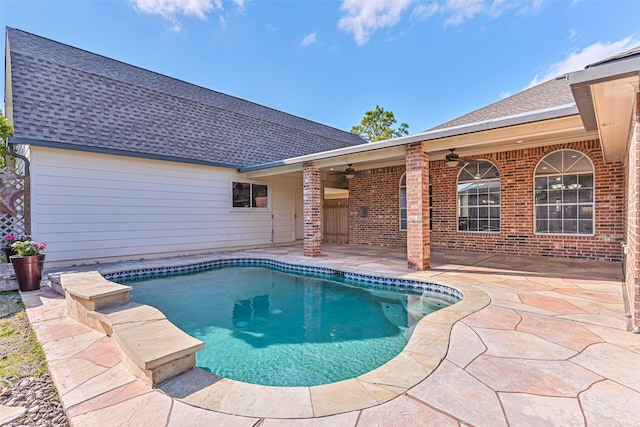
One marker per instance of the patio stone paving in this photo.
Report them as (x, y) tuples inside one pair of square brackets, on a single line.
[(551, 348)]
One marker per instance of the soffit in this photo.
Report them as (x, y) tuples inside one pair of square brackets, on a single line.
[(613, 107)]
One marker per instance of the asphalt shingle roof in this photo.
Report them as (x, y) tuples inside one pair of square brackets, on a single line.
[(634, 51), (65, 95), (552, 93)]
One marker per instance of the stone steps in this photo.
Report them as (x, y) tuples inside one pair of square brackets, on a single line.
[(153, 348)]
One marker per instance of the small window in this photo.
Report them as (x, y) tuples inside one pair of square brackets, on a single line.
[(403, 202), (479, 198), (246, 195), (564, 194)]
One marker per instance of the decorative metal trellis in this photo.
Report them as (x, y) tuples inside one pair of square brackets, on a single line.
[(12, 203)]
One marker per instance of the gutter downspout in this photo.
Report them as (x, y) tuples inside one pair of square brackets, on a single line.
[(14, 153)]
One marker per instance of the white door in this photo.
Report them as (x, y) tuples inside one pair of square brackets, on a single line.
[(299, 214)]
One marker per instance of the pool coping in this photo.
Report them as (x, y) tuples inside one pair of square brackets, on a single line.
[(424, 352)]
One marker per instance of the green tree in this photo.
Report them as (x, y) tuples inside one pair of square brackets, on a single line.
[(6, 130), (376, 125)]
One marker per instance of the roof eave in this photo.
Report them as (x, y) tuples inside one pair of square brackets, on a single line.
[(501, 122), (101, 150), (581, 82)]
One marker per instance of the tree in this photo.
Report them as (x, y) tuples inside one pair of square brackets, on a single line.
[(6, 130), (376, 126)]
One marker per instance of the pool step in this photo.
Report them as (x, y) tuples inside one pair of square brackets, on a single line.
[(132, 312), (153, 348), (89, 291)]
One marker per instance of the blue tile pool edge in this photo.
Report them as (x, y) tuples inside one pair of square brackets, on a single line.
[(184, 269)]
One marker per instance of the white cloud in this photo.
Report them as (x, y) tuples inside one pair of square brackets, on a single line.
[(424, 11), (463, 10), (578, 59), (505, 94), (572, 33), (364, 17), (310, 39), (240, 5), (170, 8), (176, 27)]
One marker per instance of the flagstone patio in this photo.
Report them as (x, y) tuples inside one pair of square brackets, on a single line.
[(551, 348)]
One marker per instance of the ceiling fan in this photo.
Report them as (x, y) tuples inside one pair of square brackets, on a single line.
[(452, 159), (348, 173)]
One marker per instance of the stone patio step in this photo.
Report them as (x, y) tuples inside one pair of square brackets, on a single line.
[(131, 312), (158, 348), (153, 348), (89, 291)]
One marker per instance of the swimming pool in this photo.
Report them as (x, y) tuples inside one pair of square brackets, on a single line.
[(265, 326)]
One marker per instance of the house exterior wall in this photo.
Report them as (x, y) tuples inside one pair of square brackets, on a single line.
[(516, 237), (377, 190), (632, 218), (90, 207)]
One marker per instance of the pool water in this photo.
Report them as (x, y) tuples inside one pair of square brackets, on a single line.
[(267, 327)]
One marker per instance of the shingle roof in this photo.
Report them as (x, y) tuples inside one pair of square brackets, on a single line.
[(552, 93), (634, 51), (65, 95)]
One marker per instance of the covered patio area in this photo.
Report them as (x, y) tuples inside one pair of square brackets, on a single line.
[(550, 348)]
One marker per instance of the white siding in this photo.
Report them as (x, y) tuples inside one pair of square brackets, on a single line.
[(95, 207)]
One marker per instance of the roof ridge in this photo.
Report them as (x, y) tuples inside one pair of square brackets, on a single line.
[(182, 82)]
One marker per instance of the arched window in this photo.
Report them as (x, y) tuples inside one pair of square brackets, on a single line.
[(403, 202), (564, 202), (479, 198)]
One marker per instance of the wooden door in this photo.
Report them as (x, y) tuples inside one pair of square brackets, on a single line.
[(336, 221)]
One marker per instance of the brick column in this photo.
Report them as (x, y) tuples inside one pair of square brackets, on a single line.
[(418, 239), (312, 210), (633, 219)]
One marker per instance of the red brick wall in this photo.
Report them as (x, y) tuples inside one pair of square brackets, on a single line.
[(312, 210), (632, 218), (516, 237), (418, 235), (377, 190)]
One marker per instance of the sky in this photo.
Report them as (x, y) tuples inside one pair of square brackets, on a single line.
[(330, 61)]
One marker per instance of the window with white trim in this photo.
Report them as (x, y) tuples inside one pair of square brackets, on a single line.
[(564, 194), (403, 202), (479, 198), (248, 195)]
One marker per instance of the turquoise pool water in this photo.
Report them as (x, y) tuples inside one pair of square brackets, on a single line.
[(268, 327)]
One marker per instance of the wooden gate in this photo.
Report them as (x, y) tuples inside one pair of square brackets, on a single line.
[(336, 221)]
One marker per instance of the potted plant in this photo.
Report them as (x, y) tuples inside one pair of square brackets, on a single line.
[(28, 264), (10, 240)]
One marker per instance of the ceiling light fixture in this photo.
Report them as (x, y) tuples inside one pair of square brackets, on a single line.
[(349, 172), (452, 159)]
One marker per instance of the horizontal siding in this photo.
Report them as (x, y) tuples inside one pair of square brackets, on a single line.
[(95, 207)]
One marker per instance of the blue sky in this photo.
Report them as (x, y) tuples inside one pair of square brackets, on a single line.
[(330, 61)]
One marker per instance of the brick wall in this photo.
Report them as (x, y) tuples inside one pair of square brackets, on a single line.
[(378, 191), (312, 210), (516, 237), (418, 235), (632, 218)]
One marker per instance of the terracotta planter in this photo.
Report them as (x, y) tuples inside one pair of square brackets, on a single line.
[(28, 271)]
